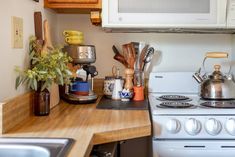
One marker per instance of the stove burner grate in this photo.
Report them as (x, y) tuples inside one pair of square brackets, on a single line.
[(219, 104), (175, 105), (173, 97)]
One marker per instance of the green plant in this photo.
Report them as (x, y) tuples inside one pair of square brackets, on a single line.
[(45, 70)]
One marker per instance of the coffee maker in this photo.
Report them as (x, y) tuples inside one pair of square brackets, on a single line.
[(83, 56)]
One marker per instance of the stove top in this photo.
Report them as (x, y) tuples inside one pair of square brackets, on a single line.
[(189, 104), (175, 104), (219, 104), (171, 97)]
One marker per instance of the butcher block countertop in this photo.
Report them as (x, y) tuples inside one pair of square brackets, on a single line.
[(87, 125)]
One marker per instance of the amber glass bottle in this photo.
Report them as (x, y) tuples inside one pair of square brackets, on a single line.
[(41, 104)]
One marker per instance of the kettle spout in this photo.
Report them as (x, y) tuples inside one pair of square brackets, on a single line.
[(197, 77)]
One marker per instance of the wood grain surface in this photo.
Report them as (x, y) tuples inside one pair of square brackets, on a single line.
[(86, 124), (73, 4), (15, 111)]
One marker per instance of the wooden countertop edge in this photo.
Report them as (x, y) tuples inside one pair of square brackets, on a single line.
[(123, 134), (118, 135)]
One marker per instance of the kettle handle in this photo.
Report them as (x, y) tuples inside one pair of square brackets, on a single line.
[(216, 55)]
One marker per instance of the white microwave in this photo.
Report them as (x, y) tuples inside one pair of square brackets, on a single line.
[(169, 14)]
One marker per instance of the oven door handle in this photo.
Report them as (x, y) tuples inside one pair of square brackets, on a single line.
[(193, 148)]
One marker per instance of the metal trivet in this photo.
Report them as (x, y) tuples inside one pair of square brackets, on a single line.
[(173, 98), (175, 105), (219, 104)]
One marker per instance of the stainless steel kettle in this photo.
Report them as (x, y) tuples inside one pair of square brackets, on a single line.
[(216, 86)]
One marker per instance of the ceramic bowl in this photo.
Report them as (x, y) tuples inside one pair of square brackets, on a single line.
[(126, 95)]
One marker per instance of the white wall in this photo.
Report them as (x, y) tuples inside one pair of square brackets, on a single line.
[(178, 52), (9, 57)]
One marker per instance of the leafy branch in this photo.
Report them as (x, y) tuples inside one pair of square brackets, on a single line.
[(45, 70)]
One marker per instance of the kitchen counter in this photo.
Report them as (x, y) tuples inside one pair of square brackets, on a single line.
[(87, 125)]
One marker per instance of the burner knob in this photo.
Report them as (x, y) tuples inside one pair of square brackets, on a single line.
[(192, 126), (173, 126), (230, 126), (213, 126)]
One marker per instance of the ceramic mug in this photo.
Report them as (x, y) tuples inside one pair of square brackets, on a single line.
[(80, 88), (109, 85)]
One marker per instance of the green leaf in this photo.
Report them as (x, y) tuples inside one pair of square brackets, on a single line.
[(17, 83), (30, 84), (35, 84), (44, 86), (32, 54), (58, 71)]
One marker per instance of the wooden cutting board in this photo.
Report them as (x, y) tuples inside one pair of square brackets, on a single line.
[(47, 46)]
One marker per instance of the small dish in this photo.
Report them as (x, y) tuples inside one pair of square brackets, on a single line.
[(126, 95)]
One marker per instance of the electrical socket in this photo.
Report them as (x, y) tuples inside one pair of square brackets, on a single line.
[(17, 32)]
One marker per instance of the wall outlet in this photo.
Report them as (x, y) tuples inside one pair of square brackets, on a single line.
[(17, 32)]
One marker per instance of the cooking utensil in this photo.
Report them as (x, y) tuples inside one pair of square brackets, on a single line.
[(148, 57), (142, 55), (129, 54), (81, 54), (118, 56), (216, 85), (136, 46)]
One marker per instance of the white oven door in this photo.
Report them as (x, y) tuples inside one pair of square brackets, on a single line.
[(194, 148), (164, 13)]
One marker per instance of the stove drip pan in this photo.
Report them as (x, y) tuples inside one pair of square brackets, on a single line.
[(171, 104), (173, 98), (219, 104)]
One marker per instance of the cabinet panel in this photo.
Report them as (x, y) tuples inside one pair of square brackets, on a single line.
[(74, 1), (73, 5)]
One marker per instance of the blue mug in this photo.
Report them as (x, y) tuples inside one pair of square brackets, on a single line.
[(79, 86)]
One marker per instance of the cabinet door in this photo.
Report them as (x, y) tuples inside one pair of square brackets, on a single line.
[(74, 1), (73, 6)]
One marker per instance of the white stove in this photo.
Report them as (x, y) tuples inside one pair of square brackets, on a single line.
[(182, 126)]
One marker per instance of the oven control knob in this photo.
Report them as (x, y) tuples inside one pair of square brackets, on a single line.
[(230, 126), (213, 126), (173, 126), (192, 126)]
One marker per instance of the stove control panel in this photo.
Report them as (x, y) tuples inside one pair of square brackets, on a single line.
[(209, 127), (213, 126), (192, 126), (173, 126), (230, 126)]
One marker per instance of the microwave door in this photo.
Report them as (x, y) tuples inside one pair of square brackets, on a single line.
[(164, 13)]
